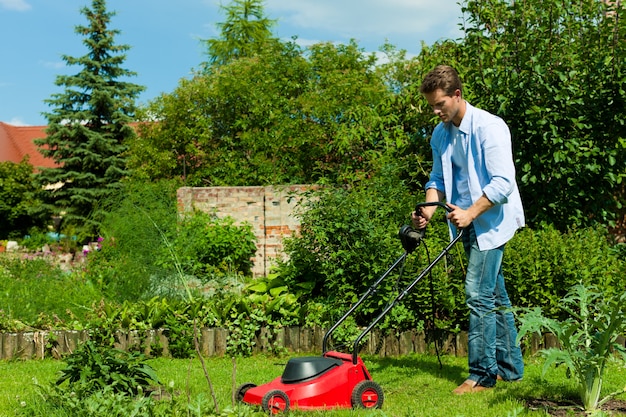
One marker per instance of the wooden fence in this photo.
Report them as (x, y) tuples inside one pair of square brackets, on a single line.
[(213, 342)]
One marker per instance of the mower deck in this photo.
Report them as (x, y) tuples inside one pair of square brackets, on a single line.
[(316, 382)]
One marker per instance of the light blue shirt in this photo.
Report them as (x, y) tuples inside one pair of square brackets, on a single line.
[(487, 143)]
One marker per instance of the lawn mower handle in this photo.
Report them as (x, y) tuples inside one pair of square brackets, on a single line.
[(404, 293), (410, 237), (433, 203)]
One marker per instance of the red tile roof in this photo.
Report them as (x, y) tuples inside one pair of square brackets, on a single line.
[(18, 141)]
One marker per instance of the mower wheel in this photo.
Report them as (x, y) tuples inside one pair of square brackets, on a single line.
[(242, 389), (276, 402), (367, 394)]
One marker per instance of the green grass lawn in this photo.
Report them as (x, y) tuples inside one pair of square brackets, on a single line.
[(413, 385)]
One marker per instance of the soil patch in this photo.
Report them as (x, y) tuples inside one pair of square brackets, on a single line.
[(569, 409)]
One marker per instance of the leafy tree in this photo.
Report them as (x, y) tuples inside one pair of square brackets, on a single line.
[(286, 115), (554, 71), (89, 126), (244, 33), (20, 209)]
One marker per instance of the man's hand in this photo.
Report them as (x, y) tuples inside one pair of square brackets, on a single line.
[(459, 217), (462, 218), (421, 219)]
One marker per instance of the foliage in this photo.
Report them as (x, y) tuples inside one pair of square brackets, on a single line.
[(206, 245), (243, 34), (92, 368), (89, 126), (38, 292), (587, 338), (140, 221), (20, 209), (523, 61), (347, 239), (326, 114), (148, 250), (284, 116), (542, 264)]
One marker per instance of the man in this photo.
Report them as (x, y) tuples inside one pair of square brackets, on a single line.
[(473, 172)]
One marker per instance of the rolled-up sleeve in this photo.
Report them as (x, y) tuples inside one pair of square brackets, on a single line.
[(498, 176)]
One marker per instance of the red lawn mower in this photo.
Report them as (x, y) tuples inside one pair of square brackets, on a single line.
[(335, 379)]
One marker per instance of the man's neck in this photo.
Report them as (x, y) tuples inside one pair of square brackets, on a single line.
[(460, 114)]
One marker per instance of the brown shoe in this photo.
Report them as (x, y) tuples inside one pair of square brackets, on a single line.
[(499, 378), (468, 387)]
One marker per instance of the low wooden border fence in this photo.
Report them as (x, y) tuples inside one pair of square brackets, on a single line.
[(213, 342)]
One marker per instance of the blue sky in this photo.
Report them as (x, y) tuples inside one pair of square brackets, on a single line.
[(165, 38)]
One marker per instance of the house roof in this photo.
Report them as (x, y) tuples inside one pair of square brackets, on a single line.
[(18, 141)]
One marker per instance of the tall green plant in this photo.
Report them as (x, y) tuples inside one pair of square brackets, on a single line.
[(141, 220), (587, 338)]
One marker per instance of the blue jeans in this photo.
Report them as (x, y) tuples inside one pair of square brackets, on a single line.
[(492, 350)]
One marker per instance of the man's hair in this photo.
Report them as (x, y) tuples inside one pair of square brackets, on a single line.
[(442, 77)]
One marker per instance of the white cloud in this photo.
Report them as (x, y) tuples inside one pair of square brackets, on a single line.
[(361, 18), (16, 121), (17, 5), (52, 64)]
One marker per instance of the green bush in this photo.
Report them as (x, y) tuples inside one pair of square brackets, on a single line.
[(542, 265), (20, 208), (207, 245), (149, 251), (101, 381), (92, 368), (349, 238)]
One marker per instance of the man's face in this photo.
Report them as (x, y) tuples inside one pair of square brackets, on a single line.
[(445, 106)]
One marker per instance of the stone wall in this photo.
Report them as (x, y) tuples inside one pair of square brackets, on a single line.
[(268, 209)]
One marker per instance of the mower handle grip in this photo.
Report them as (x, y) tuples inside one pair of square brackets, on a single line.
[(433, 203), (418, 206)]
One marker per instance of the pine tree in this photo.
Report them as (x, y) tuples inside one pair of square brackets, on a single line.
[(244, 33), (88, 128)]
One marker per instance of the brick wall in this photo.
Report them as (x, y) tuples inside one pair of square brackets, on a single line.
[(268, 209)]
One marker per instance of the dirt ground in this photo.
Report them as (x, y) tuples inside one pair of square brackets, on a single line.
[(567, 409)]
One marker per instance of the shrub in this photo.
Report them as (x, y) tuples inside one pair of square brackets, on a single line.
[(542, 265), (348, 239), (207, 245), (92, 368)]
